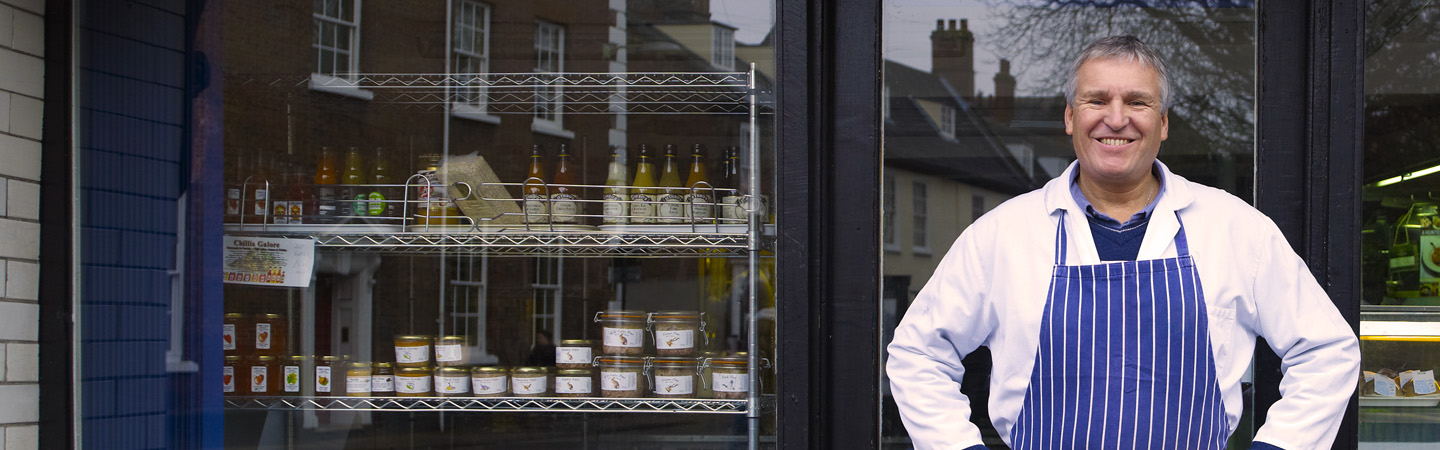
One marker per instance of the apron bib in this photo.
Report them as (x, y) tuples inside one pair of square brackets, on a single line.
[(1124, 360)]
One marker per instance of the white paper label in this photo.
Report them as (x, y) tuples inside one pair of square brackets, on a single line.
[(675, 340), (489, 385), (407, 355), (684, 385), (262, 336), (732, 207), (731, 382), (452, 385), (447, 353), (528, 386), (1384, 386), (572, 385), (292, 378), (228, 375), (572, 355), (673, 210), (614, 209), (624, 337), (258, 378), (260, 206), (564, 208), (1404, 377), (1424, 382), (412, 385), (382, 383), (618, 381), (281, 215), (700, 206), (227, 335), (232, 201), (356, 385), (322, 379), (268, 261), (535, 210), (640, 210)]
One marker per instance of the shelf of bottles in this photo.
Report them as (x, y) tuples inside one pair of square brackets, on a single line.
[(574, 404)]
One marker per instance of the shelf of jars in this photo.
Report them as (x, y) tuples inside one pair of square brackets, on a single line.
[(483, 404)]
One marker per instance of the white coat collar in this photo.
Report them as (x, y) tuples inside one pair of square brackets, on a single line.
[(1158, 236)]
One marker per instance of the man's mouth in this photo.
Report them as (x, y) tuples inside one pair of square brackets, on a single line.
[(1115, 141)]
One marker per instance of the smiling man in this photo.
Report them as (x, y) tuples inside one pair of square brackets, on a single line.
[(1121, 302)]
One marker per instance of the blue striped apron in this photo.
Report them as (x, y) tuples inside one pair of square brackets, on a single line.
[(1124, 360)]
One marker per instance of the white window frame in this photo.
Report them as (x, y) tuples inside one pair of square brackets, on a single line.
[(947, 121), (889, 235), (547, 297), (920, 217), (722, 48), (470, 102), (343, 81), (549, 58)]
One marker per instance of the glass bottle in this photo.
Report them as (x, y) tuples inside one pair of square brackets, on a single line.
[(302, 200), (436, 207), (642, 206), (257, 194), (381, 198), (536, 197), (731, 181), (351, 194), (615, 208), (235, 174), (327, 174), (701, 193), (280, 193), (563, 195), (672, 206)]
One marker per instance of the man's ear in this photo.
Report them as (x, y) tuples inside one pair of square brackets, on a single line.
[(1070, 123), (1164, 125)]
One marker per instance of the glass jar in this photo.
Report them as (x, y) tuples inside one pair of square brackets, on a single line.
[(675, 377), (227, 375), (575, 354), (291, 368), (382, 379), (676, 332), (260, 381), (730, 377), (530, 381), (412, 382), (271, 332), (234, 322), (357, 379), (622, 332), (449, 351), (452, 381), (325, 369), (622, 377), (704, 390), (412, 351), (490, 381), (574, 383)]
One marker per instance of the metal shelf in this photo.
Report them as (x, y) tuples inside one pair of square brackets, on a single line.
[(511, 404), (542, 243)]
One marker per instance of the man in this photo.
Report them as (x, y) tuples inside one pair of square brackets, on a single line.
[(1121, 302)]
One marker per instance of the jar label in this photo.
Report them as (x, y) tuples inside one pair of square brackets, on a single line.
[(681, 385), (624, 337), (447, 352), (382, 383), (258, 374), (227, 335), (322, 379), (417, 354), (355, 385), (528, 386), (489, 385), (1384, 386), (731, 382), (614, 209), (572, 355), (452, 385), (618, 381), (1424, 382), (262, 336), (228, 374), (675, 339), (292, 378), (412, 385), (572, 385)]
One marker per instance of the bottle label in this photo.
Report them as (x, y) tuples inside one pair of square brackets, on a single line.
[(232, 201), (528, 386), (260, 206), (700, 206), (258, 374), (292, 378), (641, 210), (489, 385), (418, 354), (618, 381), (382, 383), (614, 209), (447, 353), (377, 204), (360, 207), (356, 385), (572, 385), (732, 208), (281, 213), (228, 376), (262, 336), (572, 355), (227, 335), (624, 337), (564, 208), (731, 382), (535, 208), (674, 340), (412, 385), (452, 385), (1385, 386), (682, 385), (297, 212), (673, 208), (322, 379)]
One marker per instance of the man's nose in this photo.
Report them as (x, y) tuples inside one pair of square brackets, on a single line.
[(1115, 117)]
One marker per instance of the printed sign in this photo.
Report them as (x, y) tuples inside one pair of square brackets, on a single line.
[(268, 261)]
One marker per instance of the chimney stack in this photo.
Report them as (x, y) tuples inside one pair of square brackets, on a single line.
[(952, 56), (1004, 94)]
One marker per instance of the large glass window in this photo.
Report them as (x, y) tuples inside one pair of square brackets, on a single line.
[(337, 33), (549, 58), (471, 50)]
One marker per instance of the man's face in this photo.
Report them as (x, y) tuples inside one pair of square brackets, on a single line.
[(1116, 123)]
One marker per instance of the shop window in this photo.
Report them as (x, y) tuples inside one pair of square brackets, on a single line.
[(947, 121), (549, 58), (336, 45), (471, 56), (920, 241), (722, 48)]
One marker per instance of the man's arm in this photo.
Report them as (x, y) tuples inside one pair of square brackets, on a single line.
[(1319, 352)]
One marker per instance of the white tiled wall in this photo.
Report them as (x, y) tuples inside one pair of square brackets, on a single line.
[(22, 49)]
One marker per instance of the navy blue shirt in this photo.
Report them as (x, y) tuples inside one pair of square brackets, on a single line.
[(1116, 240)]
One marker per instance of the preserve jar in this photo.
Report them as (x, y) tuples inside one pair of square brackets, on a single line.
[(357, 379), (326, 367), (675, 377), (412, 382), (622, 331), (227, 375), (676, 332), (262, 380), (412, 351), (490, 381), (290, 369), (270, 334), (530, 381), (382, 379), (449, 351), (234, 322), (574, 383), (452, 381), (575, 354), (704, 389), (730, 377), (622, 376)]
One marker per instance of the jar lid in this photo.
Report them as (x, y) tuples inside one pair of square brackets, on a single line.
[(675, 362), (531, 370), (294, 358), (270, 316), (490, 370), (577, 343), (412, 338), (414, 372), (452, 338), (621, 360), (234, 315), (454, 370), (329, 358), (232, 358), (360, 364), (622, 314), (731, 361), (676, 315), (573, 372), (265, 358), (382, 365)]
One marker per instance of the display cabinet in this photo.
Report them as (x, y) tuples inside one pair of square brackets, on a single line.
[(1399, 402)]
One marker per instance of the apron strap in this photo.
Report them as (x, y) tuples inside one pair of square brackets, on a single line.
[(1182, 247), (1060, 241)]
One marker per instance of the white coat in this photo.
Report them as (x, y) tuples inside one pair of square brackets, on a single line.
[(990, 290)]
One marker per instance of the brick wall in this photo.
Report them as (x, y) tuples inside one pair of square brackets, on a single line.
[(22, 39)]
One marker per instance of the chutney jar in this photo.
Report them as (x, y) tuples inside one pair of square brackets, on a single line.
[(674, 377), (530, 381), (490, 381), (622, 376), (574, 383), (575, 354), (676, 333), (622, 331)]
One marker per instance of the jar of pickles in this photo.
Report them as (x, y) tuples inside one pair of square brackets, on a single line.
[(675, 377), (260, 381), (382, 379), (271, 333), (622, 331), (452, 381), (326, 367), (227, 374), (357, 379), (677, 332), (575, 354), (412, 382), (730, 377), (622, 377), (574, 383), (412, 351), (450, 351), (290, 369), (490, 381), (229, 337), (530, 381)]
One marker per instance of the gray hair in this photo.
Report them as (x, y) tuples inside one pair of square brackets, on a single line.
[(1124, 48)]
